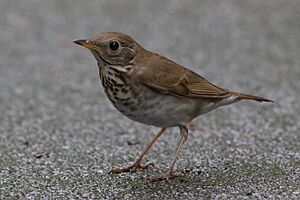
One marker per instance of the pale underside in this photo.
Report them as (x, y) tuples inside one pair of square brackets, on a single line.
[(160, 110)]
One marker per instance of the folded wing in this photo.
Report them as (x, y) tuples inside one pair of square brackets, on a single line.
[(165, 76)]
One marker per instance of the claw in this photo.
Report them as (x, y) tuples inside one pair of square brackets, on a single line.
[(132, 168)]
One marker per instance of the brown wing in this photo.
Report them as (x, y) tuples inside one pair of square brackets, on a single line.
[(164, 75)]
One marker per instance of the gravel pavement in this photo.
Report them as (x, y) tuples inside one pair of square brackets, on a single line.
[(59, 135)]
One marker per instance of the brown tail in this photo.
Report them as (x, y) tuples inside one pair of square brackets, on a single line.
[(251, 97)]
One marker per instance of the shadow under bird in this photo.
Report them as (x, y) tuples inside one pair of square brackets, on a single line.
[(152, 89)]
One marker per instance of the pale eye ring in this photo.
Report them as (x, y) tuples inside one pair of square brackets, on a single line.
[(114, 45)]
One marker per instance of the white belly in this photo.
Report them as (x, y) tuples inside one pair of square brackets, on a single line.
[(163, 112)]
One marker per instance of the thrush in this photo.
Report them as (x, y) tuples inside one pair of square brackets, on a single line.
[(154, 90)]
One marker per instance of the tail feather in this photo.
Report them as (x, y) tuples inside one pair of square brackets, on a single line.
[(251, 97)]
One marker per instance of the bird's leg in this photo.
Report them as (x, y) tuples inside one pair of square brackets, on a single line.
[(137, 164), (171, 173)]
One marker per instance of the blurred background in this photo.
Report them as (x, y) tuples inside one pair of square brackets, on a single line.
[(59, 135)]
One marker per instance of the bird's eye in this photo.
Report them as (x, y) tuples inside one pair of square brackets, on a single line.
[(114, 45)]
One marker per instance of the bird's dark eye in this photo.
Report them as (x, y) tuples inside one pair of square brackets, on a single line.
[(114, 45)]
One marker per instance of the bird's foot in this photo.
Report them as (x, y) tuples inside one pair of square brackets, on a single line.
[(166, 177), (137, 166)]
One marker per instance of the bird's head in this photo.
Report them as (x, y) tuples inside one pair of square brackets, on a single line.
[(111, 48)]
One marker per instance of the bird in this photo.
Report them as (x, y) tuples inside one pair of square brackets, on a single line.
[(151, 89)]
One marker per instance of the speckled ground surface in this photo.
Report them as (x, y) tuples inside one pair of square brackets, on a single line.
[(59, 135)]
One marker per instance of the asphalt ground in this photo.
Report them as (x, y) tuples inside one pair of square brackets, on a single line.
[(60, 136)]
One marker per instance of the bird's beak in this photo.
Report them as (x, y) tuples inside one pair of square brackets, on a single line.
[(86, 44)]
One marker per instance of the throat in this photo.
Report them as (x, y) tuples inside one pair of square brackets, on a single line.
[(120, 69), (113, 75), (117, 86), (114, 84)]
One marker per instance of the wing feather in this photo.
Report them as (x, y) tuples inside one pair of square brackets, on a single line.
[(166, 76)]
